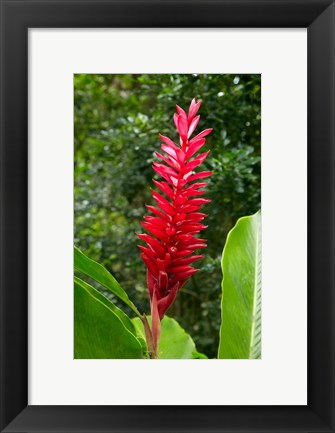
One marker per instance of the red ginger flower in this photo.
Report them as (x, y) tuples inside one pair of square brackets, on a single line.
[(176, 220)]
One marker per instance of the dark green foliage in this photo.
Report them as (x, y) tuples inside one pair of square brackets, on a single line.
[(117, 122)]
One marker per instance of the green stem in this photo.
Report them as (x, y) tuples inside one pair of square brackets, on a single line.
[(148, 336)]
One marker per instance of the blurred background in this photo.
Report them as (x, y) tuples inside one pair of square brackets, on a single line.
[(118, 119)]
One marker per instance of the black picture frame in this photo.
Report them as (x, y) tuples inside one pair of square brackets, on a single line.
[(318, 16)]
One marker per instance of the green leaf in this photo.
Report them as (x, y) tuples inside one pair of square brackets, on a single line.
[(127, 322), (101, 330), (241, 307), (174, 343), (100, 274)]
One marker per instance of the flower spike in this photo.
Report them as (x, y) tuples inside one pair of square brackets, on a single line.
[(171, 240)]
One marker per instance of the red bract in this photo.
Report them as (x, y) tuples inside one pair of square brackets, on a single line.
[(176, 220)]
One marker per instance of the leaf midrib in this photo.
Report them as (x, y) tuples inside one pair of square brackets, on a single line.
[(255, 297)]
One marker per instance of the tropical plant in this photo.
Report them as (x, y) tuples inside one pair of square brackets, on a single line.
[(117, 118), (104, 330), (241, 305), (173, 228)]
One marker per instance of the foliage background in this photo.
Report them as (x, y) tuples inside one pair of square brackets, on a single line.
[(117, 119)]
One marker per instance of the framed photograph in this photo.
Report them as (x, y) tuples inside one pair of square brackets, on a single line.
[(167, 216)]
